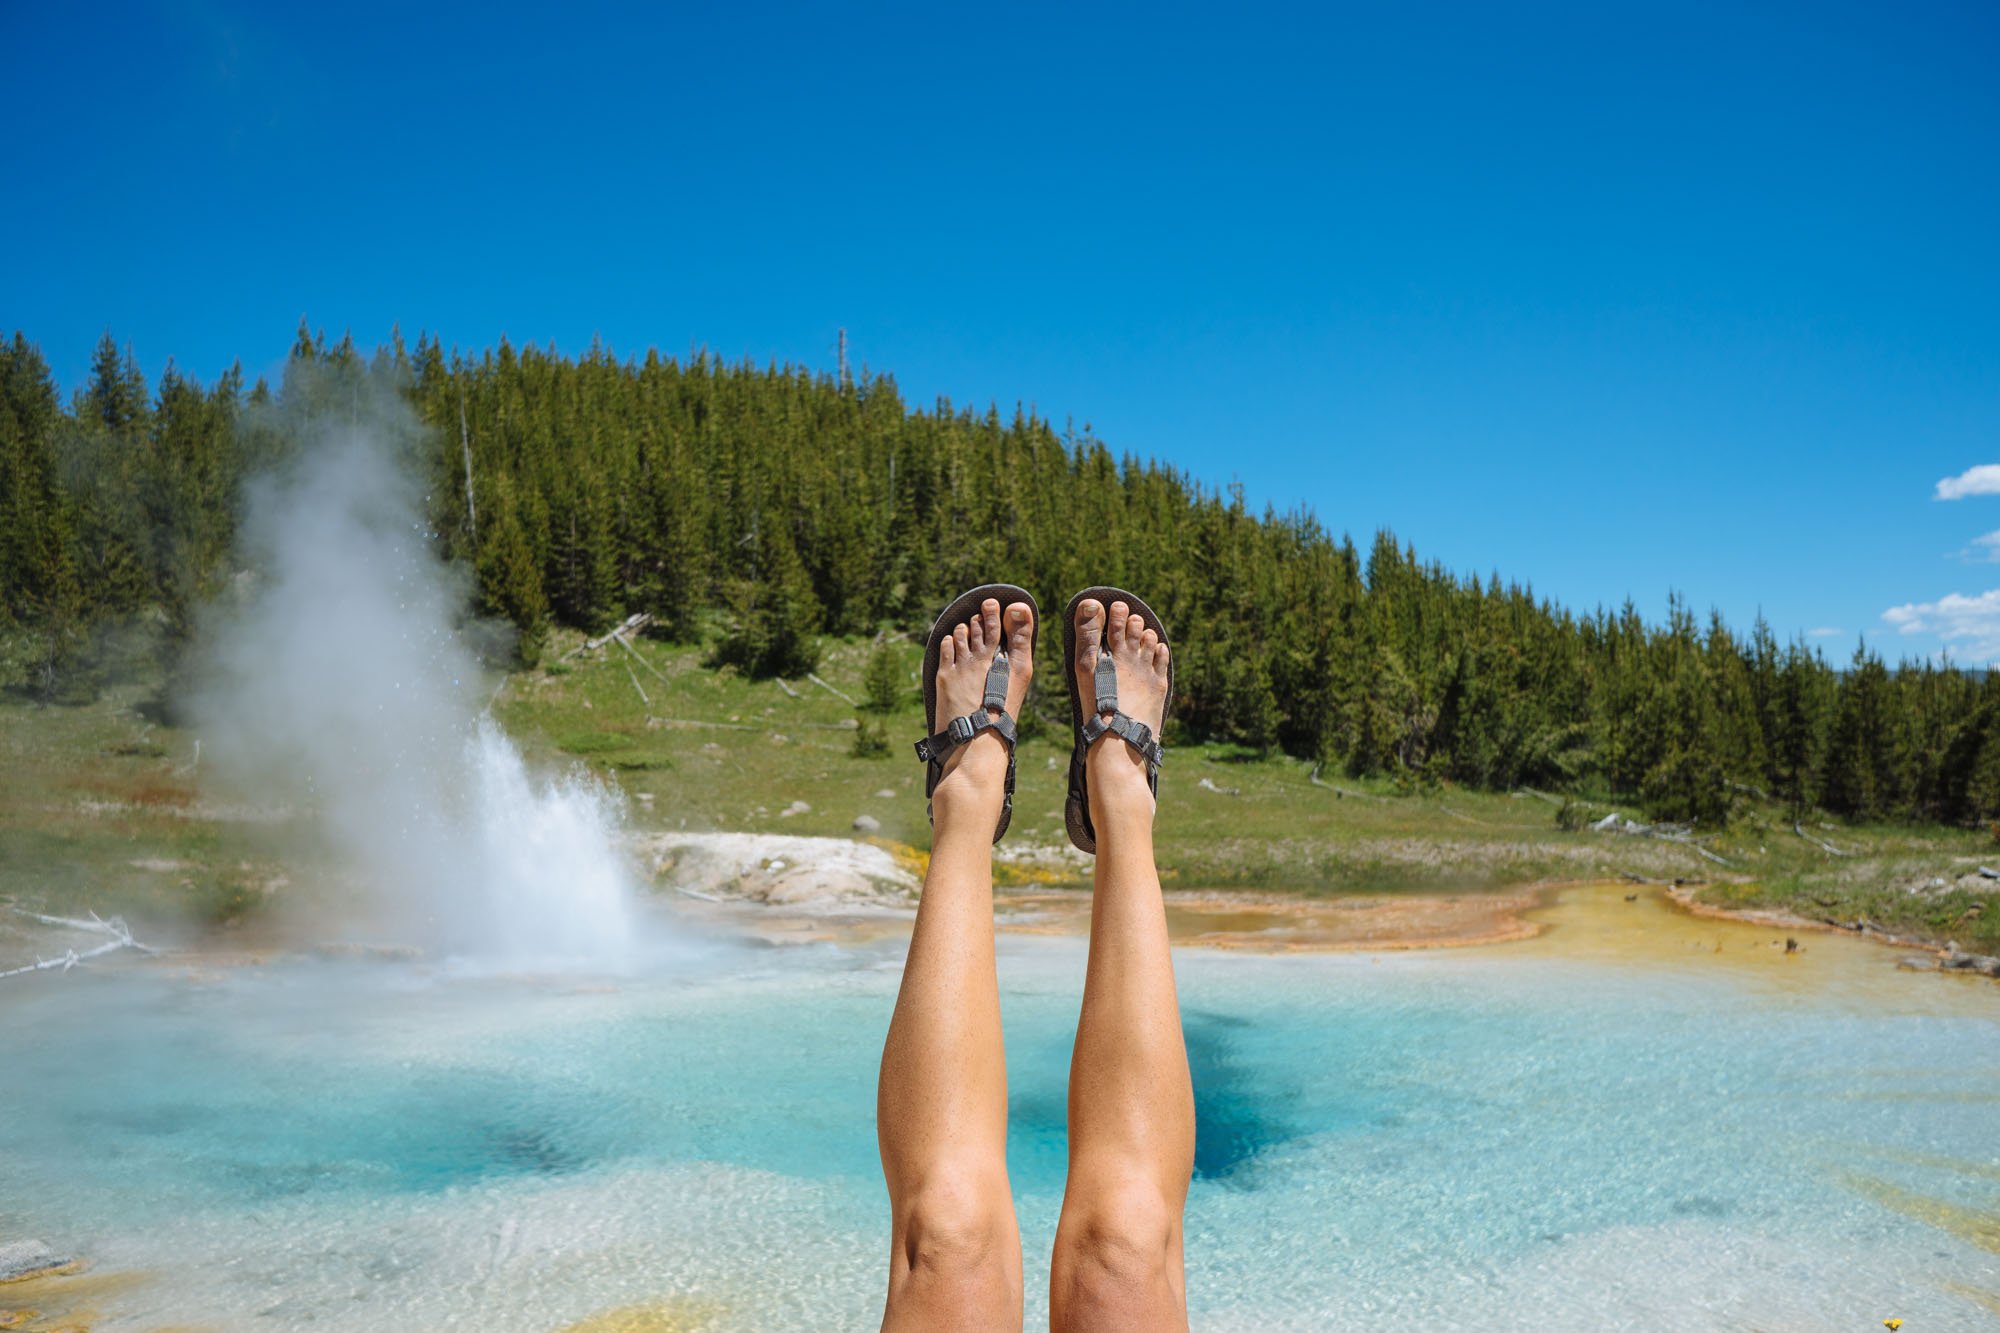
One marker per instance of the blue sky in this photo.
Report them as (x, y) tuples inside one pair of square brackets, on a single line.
[(1612, 299)]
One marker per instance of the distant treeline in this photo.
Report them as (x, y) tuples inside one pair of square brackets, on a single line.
[(782, 504)]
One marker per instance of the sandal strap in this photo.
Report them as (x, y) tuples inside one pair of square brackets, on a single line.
[(933, 749), (962, 729), (1128, 729)]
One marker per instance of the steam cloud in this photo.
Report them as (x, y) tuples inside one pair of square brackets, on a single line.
[(345, 687)]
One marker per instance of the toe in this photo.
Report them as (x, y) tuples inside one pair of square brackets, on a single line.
[(963, 636), (1089, 630), (1160, 658), (988, 627), (947, 652), (1021, 634), (1148, 641), (1135, 626), (1119, 617)]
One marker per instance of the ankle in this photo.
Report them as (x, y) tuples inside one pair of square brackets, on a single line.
[(1120, 796), (974, 785)]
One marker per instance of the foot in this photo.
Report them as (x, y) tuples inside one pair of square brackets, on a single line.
[(1117, 774), (974, 776)]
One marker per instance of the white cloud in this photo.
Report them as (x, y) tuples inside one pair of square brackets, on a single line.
[(1968, 625), (1825, 632), (1981, 480), (1984, 550)]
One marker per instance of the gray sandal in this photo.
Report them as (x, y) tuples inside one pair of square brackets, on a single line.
[(934, 749), (1087, 727)]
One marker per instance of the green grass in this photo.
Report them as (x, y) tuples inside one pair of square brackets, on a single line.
[(99, 807)]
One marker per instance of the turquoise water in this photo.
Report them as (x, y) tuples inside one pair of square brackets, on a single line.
[(1488, 1139)]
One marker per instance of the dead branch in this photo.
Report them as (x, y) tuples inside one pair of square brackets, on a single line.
[(465, 447), (1519, 792), (1207, 785), (786, 686), (1820, 843)]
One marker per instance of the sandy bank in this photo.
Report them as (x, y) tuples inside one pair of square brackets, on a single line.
[(798, 889)]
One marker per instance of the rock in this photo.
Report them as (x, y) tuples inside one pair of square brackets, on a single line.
[(29, 1258), (832, 874), (885, 795), (1917, 964), (795, 808), (867, 824), (1986, 965)]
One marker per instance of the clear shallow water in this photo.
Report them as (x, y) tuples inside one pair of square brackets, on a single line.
[(1520, 1137)]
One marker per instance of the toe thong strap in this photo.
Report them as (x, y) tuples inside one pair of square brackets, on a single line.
[(1128, 729)]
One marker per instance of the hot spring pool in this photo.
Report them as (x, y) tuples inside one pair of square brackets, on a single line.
[(1570, 1133)]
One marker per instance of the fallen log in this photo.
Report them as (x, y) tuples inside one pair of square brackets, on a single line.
[(1674, 833), (851, 701), (633, 676), (640, 658), (1820, 843), (699, 722), (1339, 791), (120, 933), (638, 620)]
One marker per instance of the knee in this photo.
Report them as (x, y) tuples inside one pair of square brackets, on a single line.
[(955, 1228), (1122, 1242)]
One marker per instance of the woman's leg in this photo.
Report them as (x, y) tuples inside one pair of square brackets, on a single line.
[(941, 1105), (1117, 1261)]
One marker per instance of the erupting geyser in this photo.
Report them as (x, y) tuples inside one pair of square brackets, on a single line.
[(343, 686)]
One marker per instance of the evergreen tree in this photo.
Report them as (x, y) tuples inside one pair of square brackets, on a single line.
[(575, 489), (882, 683)]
